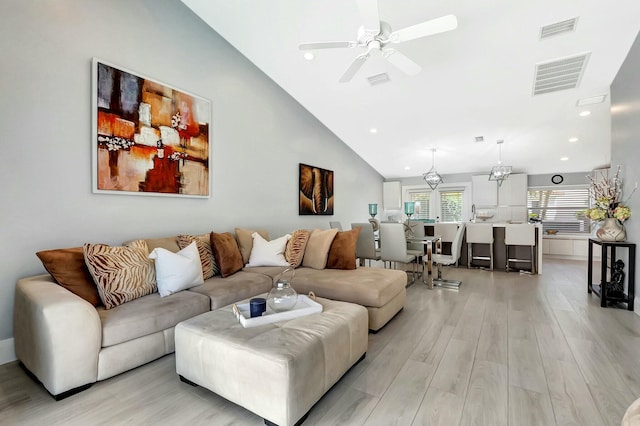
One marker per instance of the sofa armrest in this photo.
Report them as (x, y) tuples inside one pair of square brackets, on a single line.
[(57, 335)]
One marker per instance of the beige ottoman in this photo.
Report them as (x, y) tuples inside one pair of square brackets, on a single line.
[(278, 371)]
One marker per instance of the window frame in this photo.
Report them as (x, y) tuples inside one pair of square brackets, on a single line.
[(587, 229), (435, 208)]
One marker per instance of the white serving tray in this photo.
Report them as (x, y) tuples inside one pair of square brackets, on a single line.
[(304, 306)]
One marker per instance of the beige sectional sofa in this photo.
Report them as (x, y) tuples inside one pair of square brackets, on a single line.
[(68, 344)]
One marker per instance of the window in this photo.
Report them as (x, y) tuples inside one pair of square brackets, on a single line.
[(451, 205), (421, 200), (444, 204), (560, 209)]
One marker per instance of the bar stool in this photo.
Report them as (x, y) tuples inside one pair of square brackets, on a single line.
[(479, 233), (521, 235), (447, 233)]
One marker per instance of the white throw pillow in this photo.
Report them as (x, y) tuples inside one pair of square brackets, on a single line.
[(268, 253), (177, 271)]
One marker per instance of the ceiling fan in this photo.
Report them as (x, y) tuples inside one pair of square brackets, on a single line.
[(376, 35)]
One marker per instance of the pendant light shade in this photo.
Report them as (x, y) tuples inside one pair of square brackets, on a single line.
[(499, 172), (432, 177)]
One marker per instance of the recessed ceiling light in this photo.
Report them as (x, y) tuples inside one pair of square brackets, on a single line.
[(308, 56), (585, 113), (573, 139), (407, 167), (373, 130), (564, 159)]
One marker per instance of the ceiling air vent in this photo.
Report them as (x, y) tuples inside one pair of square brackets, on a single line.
[(559, 74), (379, 79), (558, 28)]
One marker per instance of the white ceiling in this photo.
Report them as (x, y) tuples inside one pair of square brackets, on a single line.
[(475, 81)]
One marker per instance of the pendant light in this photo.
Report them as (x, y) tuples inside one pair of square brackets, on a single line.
[(432, 177), (499, 173)]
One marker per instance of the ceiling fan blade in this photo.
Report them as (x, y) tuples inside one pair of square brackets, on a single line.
[(434, 26), (370, 17), (353, 68), (326, 45), (401, 62)]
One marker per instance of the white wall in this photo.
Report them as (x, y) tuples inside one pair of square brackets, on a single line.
[(260, 134), (625, 140)]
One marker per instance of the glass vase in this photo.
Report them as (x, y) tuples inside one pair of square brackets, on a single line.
[(611, 230), (282, 296)]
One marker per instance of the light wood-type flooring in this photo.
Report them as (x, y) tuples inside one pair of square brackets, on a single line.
[(506, 349)]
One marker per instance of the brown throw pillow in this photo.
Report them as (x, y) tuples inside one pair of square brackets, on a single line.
[(203, 242), (226, 252), (294, 252), (317, 250), (67, 267), (342, 254), (121, 273), (245, 241)]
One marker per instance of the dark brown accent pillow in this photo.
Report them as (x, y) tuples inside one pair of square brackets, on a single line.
[(342, 254), (67, 267), (226, 252)]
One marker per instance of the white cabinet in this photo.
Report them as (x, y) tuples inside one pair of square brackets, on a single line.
[(513, 191), (485, 191), (392, 195)]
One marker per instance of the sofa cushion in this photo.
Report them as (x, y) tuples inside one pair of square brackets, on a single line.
[(67, 267), (148, 315), (342, 254), (245, 241), (209, 266), (121, 273), (226, 253), (373, 287), (294, 252), (317, 250), (268, 253), (177, 271), (241, 285), (169, 243)]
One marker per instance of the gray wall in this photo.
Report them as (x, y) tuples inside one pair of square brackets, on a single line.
[(625, 137), (260, 134)]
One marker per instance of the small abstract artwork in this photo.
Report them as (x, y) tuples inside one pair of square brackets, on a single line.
[(148, 138), (316, 191)]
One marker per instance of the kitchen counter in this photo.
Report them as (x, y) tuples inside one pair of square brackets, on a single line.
[(499, 248)]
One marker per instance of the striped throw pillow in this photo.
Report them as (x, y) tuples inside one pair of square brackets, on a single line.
[(121, 274), (294, 252), (203, 242)]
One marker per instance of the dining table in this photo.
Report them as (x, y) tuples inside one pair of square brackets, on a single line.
[(430, 242)]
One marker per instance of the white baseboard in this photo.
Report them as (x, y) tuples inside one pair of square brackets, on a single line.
[(7, 353)]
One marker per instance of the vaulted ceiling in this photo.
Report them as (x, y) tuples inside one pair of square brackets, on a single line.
[(477, 80)]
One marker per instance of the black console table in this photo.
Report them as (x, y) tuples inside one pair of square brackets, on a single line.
[(608, 254)]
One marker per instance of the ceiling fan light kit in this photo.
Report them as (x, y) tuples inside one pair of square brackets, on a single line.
[(499, 172), (374, 35)]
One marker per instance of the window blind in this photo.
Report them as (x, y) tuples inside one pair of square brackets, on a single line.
[(560, 208), (451, 205), (422, 204)]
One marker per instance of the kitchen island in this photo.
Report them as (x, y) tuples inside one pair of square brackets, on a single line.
[(499, 249)]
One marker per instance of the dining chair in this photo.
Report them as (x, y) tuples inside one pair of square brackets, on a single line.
[(449, 259), (335, 225), (522, 234), (447, 232), (393, 246), (366, 244)]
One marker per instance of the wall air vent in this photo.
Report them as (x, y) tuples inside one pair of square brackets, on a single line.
[(558, 28), (479, 138), (559, 74), (379, 79)]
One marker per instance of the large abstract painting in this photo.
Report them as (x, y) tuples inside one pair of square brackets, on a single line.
[(316, 191), (149, 138)]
